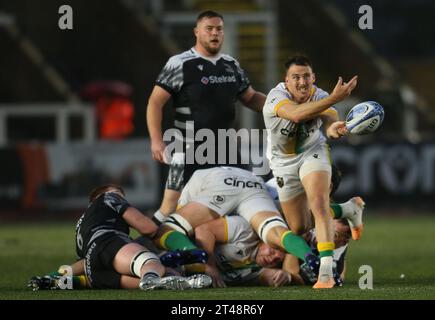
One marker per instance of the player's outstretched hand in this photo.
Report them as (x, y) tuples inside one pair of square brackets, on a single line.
[(337, 130), (343, 89)]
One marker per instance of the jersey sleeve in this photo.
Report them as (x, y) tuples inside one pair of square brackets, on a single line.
[(275, 100), (321, 94), (117, 203), (238, 229), (171, 76), (244, 80), (330, 111)]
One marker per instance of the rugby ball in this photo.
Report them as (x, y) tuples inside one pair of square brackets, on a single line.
[(364, 118)]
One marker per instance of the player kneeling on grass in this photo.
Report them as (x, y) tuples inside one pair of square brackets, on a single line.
[(109, 258)]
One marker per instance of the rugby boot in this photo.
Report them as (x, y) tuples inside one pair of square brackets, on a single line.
[(196, 281), (177, 258), (355, 220)]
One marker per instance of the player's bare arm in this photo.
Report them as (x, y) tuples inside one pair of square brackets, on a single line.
[(156, 102), (309, 110), (140, 222), (291, 266), (206, 236), (252, 99)]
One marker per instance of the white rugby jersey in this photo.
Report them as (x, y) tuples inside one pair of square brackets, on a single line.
[(286, 139), (242, 242), (241, 247)]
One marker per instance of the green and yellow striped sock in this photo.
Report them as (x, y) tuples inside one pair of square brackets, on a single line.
[(326, 249), (173, 240), (295, 245), (336, 211)]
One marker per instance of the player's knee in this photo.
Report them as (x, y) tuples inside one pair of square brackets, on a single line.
[(140, 259), (180, 224), (268, 226)]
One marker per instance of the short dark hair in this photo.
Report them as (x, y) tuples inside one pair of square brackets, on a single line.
[(299, 60), (345, 222), (102, 189), (208, 14)]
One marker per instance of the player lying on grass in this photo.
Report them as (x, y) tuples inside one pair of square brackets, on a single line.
[(108, 256), (241, 257), (213, 193), (238, 257)]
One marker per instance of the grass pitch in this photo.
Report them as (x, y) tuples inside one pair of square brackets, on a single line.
[(400, 250)]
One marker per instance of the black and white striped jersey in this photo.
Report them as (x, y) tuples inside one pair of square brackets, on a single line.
[(204, 90), (103, 216)]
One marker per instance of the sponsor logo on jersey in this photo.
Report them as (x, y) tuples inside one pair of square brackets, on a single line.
[(242, 183), (288, 133), (228, 68), (218, 199), (218, 80), (289, 130), (200, 67)]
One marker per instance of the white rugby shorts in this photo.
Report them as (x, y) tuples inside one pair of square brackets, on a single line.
[(314, 159), (228, 190)]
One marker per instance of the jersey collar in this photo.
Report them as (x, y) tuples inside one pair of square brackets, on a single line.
[(213, 59)]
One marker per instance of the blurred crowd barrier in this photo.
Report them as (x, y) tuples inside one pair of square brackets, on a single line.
[(60, 176), (386, 173)]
